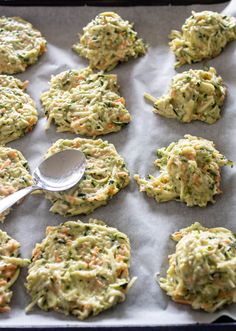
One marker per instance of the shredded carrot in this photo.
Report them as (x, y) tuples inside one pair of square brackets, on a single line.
[(12, 154), (120, 100), (5, 164)]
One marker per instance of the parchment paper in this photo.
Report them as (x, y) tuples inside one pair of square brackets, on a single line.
[(147, 223)]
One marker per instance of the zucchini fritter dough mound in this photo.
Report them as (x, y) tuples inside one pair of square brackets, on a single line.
[(10, 264), (194, 95), (14, 174), (17, 110), (108, 40), (84, 102), (105, 175), (79, 269), (202, 271), (20, 45), (190, 172), (204, 35)]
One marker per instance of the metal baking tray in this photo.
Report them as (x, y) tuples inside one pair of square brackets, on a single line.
[(106, 2), (223, 322)]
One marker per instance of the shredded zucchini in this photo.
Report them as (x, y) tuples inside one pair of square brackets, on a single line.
[(20, 45), (202, 271), (204, 35), (84, 102), (10, 265), (79, 269), (190, 172), (194, 95), (105, 175), (14, 174), (108, 40), (18, 114)]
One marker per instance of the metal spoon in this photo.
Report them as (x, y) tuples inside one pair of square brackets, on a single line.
[(58, 172)]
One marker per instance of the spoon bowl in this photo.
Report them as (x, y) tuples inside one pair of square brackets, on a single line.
[(58, 172)]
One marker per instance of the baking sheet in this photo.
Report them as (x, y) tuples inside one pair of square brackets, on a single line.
[(147, 223)]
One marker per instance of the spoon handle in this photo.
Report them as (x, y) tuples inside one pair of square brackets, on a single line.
[(11, 199)]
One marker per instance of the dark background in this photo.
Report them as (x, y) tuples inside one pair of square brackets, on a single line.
[(103, 2)]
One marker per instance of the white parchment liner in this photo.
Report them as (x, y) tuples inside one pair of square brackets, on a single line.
[(147, 223)]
